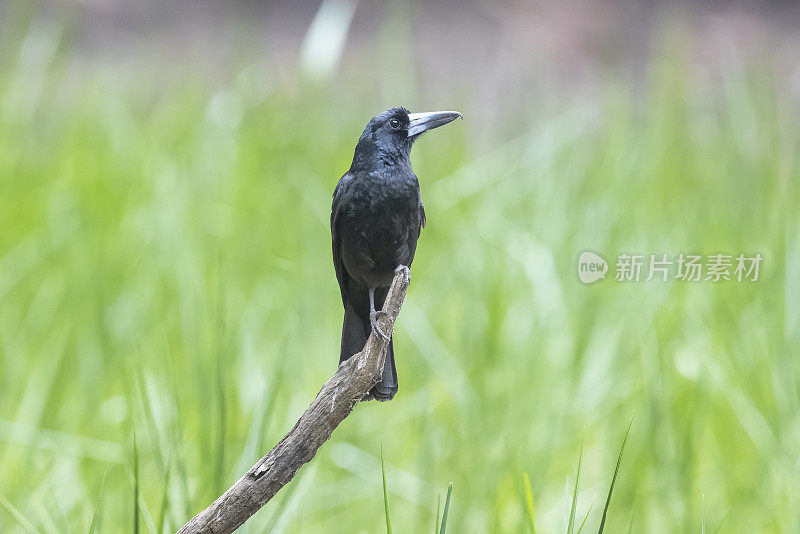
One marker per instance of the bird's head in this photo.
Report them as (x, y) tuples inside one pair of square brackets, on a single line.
[(390, 134)]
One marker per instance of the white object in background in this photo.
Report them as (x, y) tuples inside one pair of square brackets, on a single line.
[(324, 41)]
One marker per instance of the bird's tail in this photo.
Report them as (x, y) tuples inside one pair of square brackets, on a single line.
[(354, 335), (386, 389)]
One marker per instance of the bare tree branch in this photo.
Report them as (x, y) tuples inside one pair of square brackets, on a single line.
[(337, 398)]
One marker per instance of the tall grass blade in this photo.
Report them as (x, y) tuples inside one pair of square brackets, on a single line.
[(165, 496), (529, 501), (721, 522), (178, 440), (26, 525), (98, 506), (614, 478), (571, 524), (583, 523), (135, 485), (153, 431), (385, 495), (222, 410), (446, 509), (703, 515)]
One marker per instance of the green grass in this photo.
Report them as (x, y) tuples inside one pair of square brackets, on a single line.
[(529, 502), (571, 523), (165, 264), (443, 527), (98, 510), (17, 517), (385, 496), (614, 480)]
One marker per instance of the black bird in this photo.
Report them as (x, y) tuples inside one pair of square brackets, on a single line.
[(376, 219)]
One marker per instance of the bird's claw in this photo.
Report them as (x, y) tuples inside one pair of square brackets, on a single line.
[(373, 321), (406, 273)]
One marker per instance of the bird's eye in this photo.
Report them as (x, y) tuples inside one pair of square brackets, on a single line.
[(394, 123)]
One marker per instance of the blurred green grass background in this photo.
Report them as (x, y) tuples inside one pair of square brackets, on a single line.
[(165, 266)]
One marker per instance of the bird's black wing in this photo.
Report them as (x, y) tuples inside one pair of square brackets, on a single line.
[(355, 327), (336, 240), (406, 254)]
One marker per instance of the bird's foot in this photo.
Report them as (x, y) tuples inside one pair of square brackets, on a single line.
[(373, 321), (406, 273)]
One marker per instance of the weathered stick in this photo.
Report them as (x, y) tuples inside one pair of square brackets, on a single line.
[(337, 398)]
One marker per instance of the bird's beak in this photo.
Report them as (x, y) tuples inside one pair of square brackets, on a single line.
[(422, 122)]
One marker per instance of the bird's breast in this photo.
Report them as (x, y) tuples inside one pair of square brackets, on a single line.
[(378, 224)]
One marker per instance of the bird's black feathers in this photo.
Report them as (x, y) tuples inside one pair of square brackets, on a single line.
[(376, 219)]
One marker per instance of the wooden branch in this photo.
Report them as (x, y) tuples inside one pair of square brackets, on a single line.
[(337, 398)]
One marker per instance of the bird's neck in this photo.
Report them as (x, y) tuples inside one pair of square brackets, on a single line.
[(371, 157)]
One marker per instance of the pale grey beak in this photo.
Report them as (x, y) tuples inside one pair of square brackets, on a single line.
[(422, 122)]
